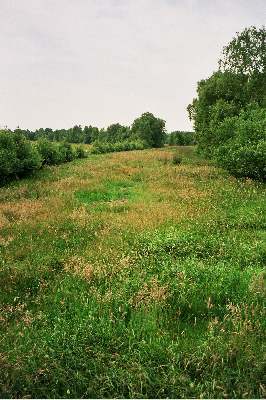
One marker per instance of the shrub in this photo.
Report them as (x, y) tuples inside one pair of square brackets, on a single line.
[(66, 152), (176, 159), (8, 155), (17, 156), (28, 157), (243, 144), (80, 152), (49, 151), (103, 147)]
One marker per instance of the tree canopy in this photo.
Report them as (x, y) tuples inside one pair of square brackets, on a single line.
[(229, 111), (149, 129), (246, 53)]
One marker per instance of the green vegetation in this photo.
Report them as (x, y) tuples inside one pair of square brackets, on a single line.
[(146, 129), (230, 111), (126, 145), (19, 157), (181, 138), (140, 274), (124, 276)]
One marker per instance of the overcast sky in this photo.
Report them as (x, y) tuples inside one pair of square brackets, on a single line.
[(66, 62)]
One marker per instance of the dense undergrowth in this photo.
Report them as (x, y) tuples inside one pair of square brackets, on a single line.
[(122, 276)]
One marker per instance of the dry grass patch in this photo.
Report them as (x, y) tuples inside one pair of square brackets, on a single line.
[(79, 266), (19, 212), (150, 293)]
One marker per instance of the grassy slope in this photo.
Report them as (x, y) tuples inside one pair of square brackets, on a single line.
[(125, 276)]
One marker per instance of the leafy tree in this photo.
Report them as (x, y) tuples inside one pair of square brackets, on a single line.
[(223, 94), (225, 128), (246, 53), (75, 134), (242, 141), (149, 129), (87, 132)]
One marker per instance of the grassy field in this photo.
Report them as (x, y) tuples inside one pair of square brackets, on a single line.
[(124, 275)]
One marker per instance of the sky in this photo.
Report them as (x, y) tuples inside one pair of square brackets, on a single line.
[(98, 62)]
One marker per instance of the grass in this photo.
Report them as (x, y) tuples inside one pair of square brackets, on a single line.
[(125, 276)]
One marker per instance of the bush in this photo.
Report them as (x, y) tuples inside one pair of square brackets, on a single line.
[(103, 147), (80, 152), (28, 157), (242, 146), (8, 155), (17, 156), (50, 152), (243, 160), (67, 152)]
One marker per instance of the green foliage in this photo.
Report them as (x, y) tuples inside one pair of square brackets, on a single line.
[(116, 133), (90, 134), (75, 135), (49, 152), (220, 96), (149, 129), (67, 152), (224, 125), (180, 138), (8, 155), (80, 152), (17, 156), (246, 53), (28, 158), (242, 146), (106, 147)]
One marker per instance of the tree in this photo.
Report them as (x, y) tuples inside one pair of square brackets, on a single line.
[(222, 95), (112, 133), (87, 134), (246, 53), (242, 141), (229, 111), (149, 129), (75, 135)]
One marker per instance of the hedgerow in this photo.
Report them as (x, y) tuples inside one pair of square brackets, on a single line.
[(19, 157)]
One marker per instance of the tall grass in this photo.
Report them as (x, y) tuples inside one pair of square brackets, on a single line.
[(122, 276)]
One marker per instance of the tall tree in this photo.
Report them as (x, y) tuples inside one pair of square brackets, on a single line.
[(149, 129), (246, 53)]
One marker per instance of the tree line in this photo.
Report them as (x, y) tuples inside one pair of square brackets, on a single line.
[(146, 131), (23, 151), (229, 112)]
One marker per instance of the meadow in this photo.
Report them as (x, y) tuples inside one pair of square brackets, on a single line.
[(132, 275)]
